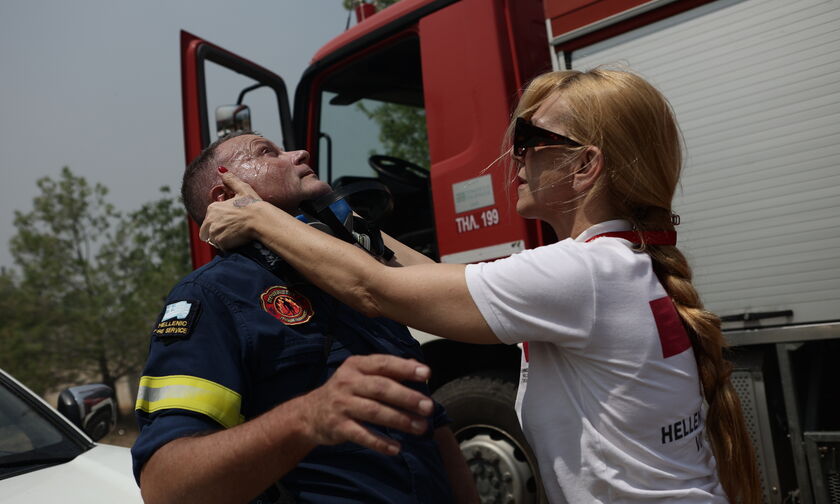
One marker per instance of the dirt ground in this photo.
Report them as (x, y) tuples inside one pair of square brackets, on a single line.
[(123, 434)]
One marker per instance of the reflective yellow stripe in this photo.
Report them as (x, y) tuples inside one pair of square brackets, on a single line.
[(190, 393)]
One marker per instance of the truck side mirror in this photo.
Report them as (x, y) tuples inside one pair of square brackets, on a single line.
[(92, 408), (230, 118)]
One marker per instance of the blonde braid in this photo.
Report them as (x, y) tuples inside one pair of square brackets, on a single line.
[(727, 430)]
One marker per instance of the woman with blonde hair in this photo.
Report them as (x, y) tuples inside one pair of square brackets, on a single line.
[(627, 395)]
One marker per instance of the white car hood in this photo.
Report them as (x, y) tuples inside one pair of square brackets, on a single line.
[(99, 475)]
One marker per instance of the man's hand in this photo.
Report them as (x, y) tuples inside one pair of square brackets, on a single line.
[(367, 389), (236, 464)]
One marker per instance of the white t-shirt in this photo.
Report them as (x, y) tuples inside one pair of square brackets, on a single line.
[(609, 398)]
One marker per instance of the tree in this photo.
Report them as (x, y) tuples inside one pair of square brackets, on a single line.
[(148, 254), (91, 283), (402, 131), (380, 4), (22, 335)]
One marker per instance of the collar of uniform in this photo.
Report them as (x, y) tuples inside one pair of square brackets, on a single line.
[(261, 254), (610, 226)]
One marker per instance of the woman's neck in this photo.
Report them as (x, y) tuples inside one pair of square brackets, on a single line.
[(592, 211)]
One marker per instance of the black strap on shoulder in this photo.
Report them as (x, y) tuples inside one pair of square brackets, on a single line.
[(363, 233)]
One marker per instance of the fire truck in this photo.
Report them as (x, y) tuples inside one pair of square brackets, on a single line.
[(416, 97)]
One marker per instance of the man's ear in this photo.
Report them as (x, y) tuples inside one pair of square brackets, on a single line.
[(589, 169), (220, 193)]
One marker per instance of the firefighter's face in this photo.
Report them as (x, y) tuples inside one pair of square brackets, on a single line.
[(282, 178)]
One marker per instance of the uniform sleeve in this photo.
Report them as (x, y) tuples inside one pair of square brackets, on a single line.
[(543, 294), (193, 379)]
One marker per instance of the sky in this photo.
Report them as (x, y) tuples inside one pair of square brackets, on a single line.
[(95, 85)]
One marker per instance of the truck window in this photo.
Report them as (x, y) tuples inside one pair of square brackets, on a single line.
[(225, 87), (367, 127), (372, 125)]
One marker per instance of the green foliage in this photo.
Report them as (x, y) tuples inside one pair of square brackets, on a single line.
[(402, 131), (91, 281), (22, 335)]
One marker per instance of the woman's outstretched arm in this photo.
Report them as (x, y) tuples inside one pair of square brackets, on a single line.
[(431, 297)]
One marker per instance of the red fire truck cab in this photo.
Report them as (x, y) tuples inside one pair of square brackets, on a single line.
[(417, 97)]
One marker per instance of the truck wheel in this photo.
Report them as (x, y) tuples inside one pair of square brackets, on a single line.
[(485, 425)]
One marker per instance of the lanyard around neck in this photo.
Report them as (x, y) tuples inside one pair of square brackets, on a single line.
[(639, 237)]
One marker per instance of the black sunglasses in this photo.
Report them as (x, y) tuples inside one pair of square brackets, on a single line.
[(527, 135)]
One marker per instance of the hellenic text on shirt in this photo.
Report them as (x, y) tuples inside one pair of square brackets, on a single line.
[(680, 429)]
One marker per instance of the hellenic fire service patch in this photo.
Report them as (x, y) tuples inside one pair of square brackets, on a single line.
[(177, 320), (287, 306)]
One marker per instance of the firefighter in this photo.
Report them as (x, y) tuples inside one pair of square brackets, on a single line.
[(625, 395), (254, 376)]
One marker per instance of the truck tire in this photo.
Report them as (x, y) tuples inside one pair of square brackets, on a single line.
[(484, 423)]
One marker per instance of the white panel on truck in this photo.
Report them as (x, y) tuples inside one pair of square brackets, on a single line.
[(756, 89)]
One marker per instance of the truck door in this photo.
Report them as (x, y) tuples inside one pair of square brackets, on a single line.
[(418, 97), (221, 92)]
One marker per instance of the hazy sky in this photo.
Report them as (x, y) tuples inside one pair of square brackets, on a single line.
[(95, 85)]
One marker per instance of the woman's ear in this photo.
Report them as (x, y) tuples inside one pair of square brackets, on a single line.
[(590, 166), (220, 193)]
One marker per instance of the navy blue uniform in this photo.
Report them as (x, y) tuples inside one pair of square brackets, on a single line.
[(236, 339)]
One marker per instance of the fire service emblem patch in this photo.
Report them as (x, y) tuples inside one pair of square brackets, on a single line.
[(287, 306)]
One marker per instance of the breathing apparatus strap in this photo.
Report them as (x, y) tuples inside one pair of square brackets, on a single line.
[(332, 214)]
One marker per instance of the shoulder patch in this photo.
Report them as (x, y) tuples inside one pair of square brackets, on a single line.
[(286, 305), (177, 320)]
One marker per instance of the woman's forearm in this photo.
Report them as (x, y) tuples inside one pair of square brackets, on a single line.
[(337, 267), (403, 254), (431, 297)]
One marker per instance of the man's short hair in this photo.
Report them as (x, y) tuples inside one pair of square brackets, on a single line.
[(200, 173)]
